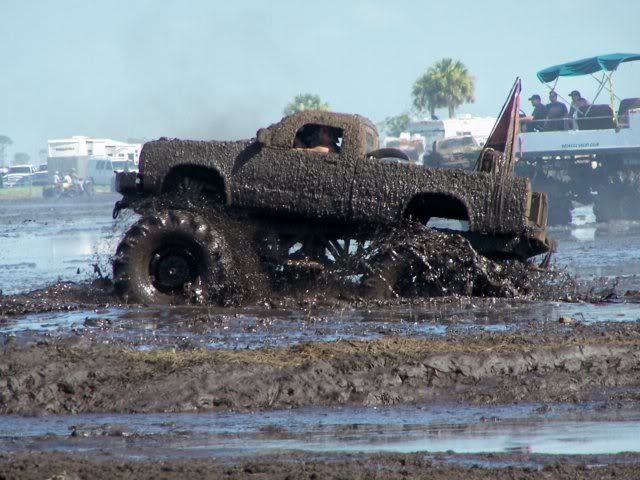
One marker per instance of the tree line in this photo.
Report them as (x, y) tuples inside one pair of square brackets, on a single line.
[(19, 158), (445, 84)]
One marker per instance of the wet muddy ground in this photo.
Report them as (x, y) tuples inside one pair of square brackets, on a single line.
[(522, 388)]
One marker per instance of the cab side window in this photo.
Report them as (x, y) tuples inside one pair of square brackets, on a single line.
[(319, 138)]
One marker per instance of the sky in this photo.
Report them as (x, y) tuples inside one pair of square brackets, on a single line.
[(209, 69)]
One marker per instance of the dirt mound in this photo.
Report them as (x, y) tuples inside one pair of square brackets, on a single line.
[(299, 466), (59, 296), (549, 363)]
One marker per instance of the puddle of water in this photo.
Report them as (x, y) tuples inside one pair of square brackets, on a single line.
[(461, 429), (599, 250), (41, 243)]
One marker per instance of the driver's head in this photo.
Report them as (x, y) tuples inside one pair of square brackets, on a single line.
[(328, 136), (325, 136), (553, 96)]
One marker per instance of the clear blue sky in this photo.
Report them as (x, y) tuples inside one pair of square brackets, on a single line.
[(221, 69)]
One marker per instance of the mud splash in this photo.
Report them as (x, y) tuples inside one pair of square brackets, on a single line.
[(258, 327)]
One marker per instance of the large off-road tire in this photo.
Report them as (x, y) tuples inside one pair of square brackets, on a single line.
[(173, 257)]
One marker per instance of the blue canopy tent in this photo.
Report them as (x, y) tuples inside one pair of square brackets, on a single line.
[(590, 66), (586, 66)]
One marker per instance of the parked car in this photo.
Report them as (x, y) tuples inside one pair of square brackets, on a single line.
[(37, 179), (15, 173)]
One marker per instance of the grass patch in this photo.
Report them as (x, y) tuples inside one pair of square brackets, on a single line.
[(21, 193)]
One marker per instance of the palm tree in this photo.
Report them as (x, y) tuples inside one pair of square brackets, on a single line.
[(305, 101), (447, 83), (4, 142)]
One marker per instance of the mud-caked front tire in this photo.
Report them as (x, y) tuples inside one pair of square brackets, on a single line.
[(174, 257)]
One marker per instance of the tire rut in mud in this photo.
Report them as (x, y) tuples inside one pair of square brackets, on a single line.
[(548, 365), (391, 466)]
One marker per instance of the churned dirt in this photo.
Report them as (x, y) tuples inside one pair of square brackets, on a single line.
[(550, 363), (57, 466), (61, 296)]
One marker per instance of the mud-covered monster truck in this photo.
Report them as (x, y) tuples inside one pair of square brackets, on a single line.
[(314, 205)]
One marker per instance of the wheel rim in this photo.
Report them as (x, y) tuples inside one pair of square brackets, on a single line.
[(172, 267)]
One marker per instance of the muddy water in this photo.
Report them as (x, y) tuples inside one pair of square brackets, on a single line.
[(189, 327), (595, 250), (537, 429), (44, 242)]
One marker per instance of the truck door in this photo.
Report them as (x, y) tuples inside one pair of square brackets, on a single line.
[(324, 183), (265, 178), (295, 180)]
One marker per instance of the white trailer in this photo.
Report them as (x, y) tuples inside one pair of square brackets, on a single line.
[(463, 125), (94, 159)]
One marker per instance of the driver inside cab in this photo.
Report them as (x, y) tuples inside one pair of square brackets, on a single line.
[(318, 138)]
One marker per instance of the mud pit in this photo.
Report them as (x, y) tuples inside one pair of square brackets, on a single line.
[(336, 348), (301, 466), (549, 364)]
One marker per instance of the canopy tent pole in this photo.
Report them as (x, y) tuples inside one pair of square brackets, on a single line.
[(602, 83), (610, 89), (612, 97)]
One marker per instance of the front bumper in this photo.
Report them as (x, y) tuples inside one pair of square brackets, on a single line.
[(127, 182)]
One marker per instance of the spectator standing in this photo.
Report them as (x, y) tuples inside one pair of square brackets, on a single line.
[(557, 113), (535, 123)]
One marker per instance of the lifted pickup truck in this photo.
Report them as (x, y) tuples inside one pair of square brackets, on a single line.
[(316, 203)]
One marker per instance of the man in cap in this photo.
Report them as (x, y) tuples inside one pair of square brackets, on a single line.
[(556, 113), (579, 105), (536, 121)]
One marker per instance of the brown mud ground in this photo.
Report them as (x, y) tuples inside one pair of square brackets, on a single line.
[(58, 466), (547, 363)]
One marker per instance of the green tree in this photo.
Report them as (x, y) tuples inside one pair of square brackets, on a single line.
[(446, 83), (305, 101), (21, 158), (397, 124), (4, 143)]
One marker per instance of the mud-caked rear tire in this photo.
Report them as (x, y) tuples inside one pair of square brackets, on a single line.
[(173, 257)]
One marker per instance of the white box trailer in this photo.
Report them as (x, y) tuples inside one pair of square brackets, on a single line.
[(462, 126), (93, 159)]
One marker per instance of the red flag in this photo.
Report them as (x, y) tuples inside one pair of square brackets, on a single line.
[(498, 153)]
